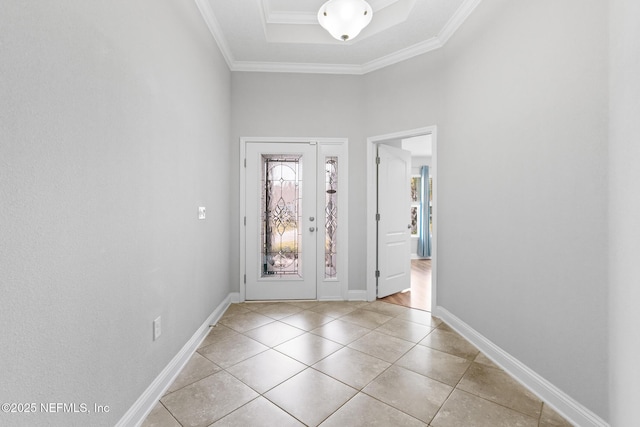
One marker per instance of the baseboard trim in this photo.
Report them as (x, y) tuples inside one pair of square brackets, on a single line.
[(357, 295), (146, 402), (562, 403), (234, 297)]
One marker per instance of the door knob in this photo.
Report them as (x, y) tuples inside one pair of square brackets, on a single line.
[(311, 218), (312, 229), (409, 226)]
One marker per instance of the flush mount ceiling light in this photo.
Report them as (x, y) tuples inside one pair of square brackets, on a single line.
[(344, 19)]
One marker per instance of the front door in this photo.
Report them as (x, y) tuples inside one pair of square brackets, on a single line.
[(281, 221), (394, 224)]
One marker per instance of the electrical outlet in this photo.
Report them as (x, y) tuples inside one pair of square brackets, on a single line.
[(202, 212), (157, 329)]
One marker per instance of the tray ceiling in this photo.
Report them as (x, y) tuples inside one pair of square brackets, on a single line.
[(284, 35)]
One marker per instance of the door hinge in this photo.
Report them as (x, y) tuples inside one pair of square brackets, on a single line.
[(245, 221), (377, 273), (377, 160), (245, 163), (377, 217), (245, 279)]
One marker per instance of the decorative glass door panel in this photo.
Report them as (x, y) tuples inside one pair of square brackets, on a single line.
[(331, 217), (281, 221), (281, 209)]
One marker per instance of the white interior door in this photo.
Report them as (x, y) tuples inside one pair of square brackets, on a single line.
[(394, 224), (281, 221)]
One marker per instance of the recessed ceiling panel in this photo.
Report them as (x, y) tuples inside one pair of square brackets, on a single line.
[(287, 32)]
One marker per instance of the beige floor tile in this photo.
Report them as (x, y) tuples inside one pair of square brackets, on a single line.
[(404, 329), (443, 326), (217, 333), (341, 332), (258, 413), (196, 369), (278, 310), (235, 309), (366, 318), (310, 396), (481, 358), (495, 385), (405, 362), (307, 320), (410, 392), (308, 348), (550, 418), (352, 367), (266, 370), (160, 417), (246, 321), (231, 350), (392, 310), (450, 342), (364, 411), (305, 305), (382, 346), (256, 305), (274, 333), (203, 402), (435, 364), (419, 316), (464, 409), (333, 309)]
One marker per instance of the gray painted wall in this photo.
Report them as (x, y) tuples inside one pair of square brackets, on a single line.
[(113, 115), (522, 195), (304, 105), (114, 128), (624, 211)]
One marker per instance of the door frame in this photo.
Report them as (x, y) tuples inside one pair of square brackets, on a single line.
[(372, 196), (330, 289)]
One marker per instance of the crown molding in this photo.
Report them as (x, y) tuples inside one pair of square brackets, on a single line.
[(290, 67), (458, 18), (403, 54), (216, 31)]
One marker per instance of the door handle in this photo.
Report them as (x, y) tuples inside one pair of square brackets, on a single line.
[(312, 229), (409, 226)]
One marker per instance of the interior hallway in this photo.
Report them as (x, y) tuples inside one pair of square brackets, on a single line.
[(419, 295), (342, 364)]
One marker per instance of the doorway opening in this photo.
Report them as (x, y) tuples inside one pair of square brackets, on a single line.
[(421, 293)]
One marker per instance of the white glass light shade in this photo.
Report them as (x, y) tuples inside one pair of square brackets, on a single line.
[(344, 19)]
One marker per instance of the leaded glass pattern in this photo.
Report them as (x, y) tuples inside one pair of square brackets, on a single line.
[(331, 217), (281, 215)]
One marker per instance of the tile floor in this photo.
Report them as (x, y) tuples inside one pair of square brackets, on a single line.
[(342, 364)]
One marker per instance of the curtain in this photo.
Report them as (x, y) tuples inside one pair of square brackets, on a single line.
[(424, 237)]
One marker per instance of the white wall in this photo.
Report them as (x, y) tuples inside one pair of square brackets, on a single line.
[(114, 128), (624, 211), (403, 96), (522, 238)]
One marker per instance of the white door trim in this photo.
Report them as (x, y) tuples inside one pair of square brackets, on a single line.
[(330, 291), (371, 206)]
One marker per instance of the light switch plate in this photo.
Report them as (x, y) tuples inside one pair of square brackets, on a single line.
[(202, 212), (157, 328)]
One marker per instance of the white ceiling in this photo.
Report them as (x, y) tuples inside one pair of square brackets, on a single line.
[(284, 35), (420, 146)]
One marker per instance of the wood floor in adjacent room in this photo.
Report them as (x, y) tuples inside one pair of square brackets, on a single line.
[(419, 295)]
